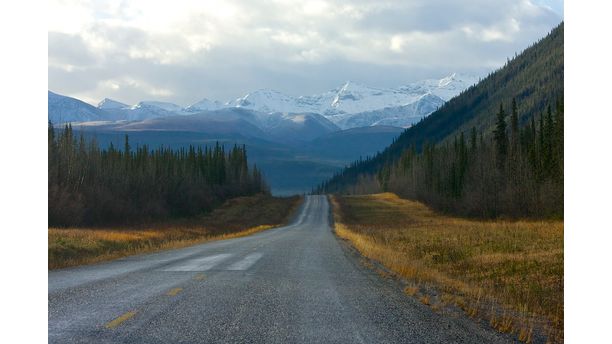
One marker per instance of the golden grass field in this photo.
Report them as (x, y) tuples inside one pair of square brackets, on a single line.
[(237, 217), (509, 273)]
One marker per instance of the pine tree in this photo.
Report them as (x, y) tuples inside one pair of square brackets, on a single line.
[(514, 127), (541, 151), (500, 137), (559, 141), (473, 139), (548, 158)]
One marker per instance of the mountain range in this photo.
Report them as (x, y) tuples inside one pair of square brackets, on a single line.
[(351, 105)]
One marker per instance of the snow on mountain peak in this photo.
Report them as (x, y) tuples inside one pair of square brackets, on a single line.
[(350, 105), (162, 105), (108, 103), (205, 105), (266, 100), (299, 119), (447, 80), (354, 98)]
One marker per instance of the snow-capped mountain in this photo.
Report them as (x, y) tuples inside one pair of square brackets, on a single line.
[(349, 106), (397, 116), (116, 110), (108, 103), (269, 101), (205, 105), (64, 109), (400, 106), (146, 110), (170, 107), (445, 88)]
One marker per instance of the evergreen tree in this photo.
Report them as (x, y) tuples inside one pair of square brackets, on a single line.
[(514, 127), (500, 137), (473, 139)]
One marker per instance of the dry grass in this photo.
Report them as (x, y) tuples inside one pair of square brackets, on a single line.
[(236, 218), (411, 290), (510, 272)]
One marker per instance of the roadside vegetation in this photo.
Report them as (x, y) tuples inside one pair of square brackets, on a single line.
[(495, 150), (509, 273), (518, 172), (236, 217), (91, 186)]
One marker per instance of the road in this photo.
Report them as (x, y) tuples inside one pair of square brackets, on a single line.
[(295, 284)]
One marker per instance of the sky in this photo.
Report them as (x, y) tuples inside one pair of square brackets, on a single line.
[(182, 51)]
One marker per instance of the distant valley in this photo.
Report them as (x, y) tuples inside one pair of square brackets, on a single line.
[(296, 141)]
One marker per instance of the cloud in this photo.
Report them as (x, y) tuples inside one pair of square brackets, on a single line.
[(185, 50), (69, 51)]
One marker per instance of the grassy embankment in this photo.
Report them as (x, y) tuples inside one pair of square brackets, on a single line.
[(237, 217), (509, 273)]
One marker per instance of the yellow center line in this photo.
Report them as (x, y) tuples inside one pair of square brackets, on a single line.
[(119, 320), (200, 277), (174, 291)]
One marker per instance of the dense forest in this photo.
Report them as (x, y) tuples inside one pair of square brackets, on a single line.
[(457, 159), (534, 78), (93, 186), (517, 172)]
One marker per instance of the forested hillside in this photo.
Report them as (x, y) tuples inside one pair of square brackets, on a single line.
[(474, 157), (518, 173), (93, 186)]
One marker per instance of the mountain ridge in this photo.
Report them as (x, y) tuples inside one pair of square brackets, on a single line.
[(348, 106), (277, 127)]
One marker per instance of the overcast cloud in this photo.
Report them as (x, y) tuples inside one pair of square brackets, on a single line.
[(182, 51)]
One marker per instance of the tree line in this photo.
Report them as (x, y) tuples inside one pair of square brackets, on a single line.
[(93, 186), (515, 171)]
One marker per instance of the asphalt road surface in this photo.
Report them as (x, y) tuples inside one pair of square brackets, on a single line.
[(295, 284)]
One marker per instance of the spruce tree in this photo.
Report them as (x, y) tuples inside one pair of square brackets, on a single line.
[(500, 137), (473, 139), (514, 126)]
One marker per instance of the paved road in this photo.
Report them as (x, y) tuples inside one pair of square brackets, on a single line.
[(296, 284)]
